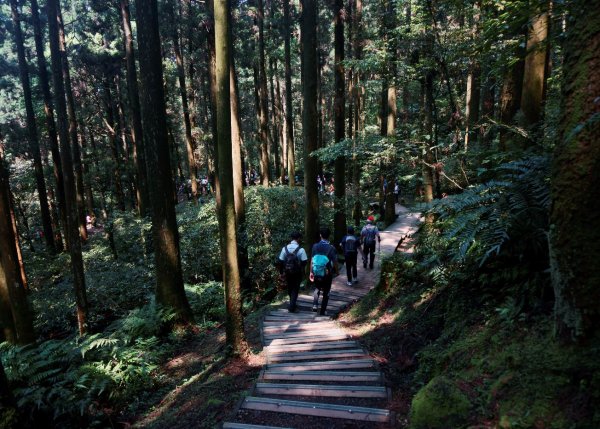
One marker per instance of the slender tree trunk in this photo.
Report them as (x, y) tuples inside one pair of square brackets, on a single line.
[(169, 278), (358, 111), (265, 173), (89, 195), (510, 97), (392, 113), (50, 124), (274, 135), (210, 40), (289, 119), (13, 219), (76, 153), (428, 131), (236, 142), (536, 69), (225, 204), (310, 119), (13, 297), (472, 103), (113, 143), (575, 224), (339, 108), (139, 155), (190, 145), (32, 129), (72, 233)]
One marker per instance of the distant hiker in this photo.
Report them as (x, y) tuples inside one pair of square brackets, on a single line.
[(396, 192), (368, 236), (350, 246), (323, 266), (292, 260)]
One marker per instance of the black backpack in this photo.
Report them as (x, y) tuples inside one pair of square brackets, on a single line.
[(370, 236), (350, 244), (291, 263)]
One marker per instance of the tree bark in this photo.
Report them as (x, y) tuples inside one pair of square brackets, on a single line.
[(575, 224), (265, 170), (113, 143), (310, 119), (236, 141), (339, 219), (139, 155), (72, 233), (510, 97), (289, 119), (16, 315), (32, 130), (169, 279)]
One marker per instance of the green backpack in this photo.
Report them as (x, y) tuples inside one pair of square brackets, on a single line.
[(320, 266)]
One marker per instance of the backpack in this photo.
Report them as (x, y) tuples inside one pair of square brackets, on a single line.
[(320, 266), (350, 244), (370, 236), (291, 263)]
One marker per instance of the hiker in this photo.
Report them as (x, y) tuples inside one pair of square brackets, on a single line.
[(292, 260), (368, 236), (323, 267), (350, 246)]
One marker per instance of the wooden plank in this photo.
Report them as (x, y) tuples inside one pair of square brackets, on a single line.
[(311, 347), (323, 366), (283, 319), (228, 425), (322, 390), (351, 376), (303, 334), (299, 326), (305, 340), (327, 354), (317, 409)]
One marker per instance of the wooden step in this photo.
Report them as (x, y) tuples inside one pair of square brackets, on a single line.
[(350, 376), (311, 347), (284, 319), (317, 409), (303, 334), (322, 390), (305, 340), (323, 366), (228, 425), (298, 326), (328, 354)]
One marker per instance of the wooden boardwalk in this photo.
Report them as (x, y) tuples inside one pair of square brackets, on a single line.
[(316, 375)]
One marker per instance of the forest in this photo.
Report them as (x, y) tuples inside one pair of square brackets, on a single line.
[(156, 154)]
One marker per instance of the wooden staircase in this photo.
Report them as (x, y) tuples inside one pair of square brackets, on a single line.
[(316, 376)]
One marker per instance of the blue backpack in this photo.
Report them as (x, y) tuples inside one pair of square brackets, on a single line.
[(320, 266)]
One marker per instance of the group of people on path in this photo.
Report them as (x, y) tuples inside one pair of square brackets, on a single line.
[(324, 267)]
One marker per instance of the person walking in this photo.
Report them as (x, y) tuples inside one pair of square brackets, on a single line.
[(292, 260), (350, 246), (323, 267), (368, 236)]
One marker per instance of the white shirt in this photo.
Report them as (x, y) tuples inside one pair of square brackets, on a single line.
[(291, 248)]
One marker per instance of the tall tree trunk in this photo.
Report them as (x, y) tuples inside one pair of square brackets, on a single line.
[(510, 97), (139, 155), (190, 145), (575, 224), (236, 142), (113, 143), (289, 119), (339, 220), (310, 119), (274, 135), (472, 103), (76, 153), (72, 233), (50, 124), (210, 41), (32, 130), (13, 297), (536, 68), (13, 219), (358, 111), (89, 195), (392, 113), (169, 278), (225, 204), (428, 174), (265, 170)]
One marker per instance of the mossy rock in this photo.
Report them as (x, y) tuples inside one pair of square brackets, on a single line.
[(440, 404)]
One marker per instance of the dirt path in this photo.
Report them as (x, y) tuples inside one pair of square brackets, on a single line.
[(316, 375)]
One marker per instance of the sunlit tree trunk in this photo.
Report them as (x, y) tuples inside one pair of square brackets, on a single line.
[(189, 141), (289, 119), (358, 110), (339, 220), (392, 113), (310, 119), (225, 204), (536, 68), (16, 319), (50, 124), (265, 170), (169, 279), (73, 134), (72, 232), (236, 142), (136, 118), (32, 129), (428, 174), (575, 224)]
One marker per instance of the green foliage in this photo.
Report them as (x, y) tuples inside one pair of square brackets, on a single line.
[(440, 404)]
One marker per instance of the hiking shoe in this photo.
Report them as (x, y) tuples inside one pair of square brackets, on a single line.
[(314, 308), (349, 283), (355, 281)]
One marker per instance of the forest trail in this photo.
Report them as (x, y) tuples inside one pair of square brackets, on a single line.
[(316, 375)]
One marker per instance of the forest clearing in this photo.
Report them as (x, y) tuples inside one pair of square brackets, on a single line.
[(283, 214)]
